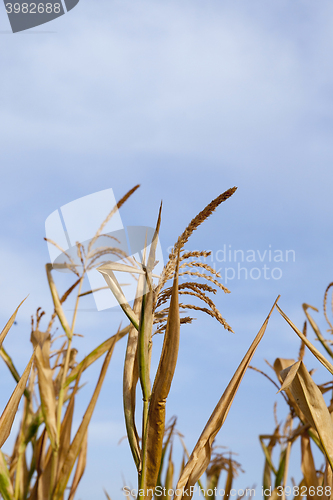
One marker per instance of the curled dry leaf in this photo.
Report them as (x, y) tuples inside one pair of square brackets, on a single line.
[(281, 364), (311, 402)]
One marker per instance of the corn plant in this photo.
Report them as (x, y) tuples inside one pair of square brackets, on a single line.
[(157, 310), (51, 380), (221, 463), (50, 391), (310, 414)]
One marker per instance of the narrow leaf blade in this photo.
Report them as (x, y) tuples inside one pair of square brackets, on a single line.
[(8, 415), (200, 456)]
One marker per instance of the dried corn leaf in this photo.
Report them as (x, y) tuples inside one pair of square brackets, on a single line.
[(311, 402), (212, 481), (38, 461), (281, 364), (328, 482), (9, 323), (315, 328), (44, 475), (153, 246), (312, 348), (45, 478), (115, 288), (80, 435), (200, 456), (22, 477), (117, 266), (268, 459), (146, 324), (47, 396), (145, 352), (152, 453), (300, 491), (80, 468), (56, 301), (8, 415), (169, 477), (33, 421), (130, 380), (308, 466), (144, 339), (276, 495), (43, 339), (6, 487), (109, 498), (9, 362), (228, 483), (66, 428), (281, 469), (164, 449)]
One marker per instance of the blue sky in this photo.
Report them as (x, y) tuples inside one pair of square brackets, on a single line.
[(187, 98)]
